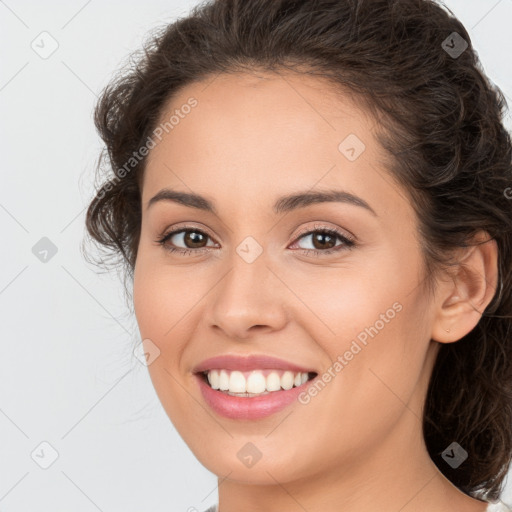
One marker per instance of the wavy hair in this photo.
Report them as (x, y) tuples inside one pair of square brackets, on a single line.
[(440, 121)]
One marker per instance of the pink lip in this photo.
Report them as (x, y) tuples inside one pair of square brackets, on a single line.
[(252, 362), (249, 408)]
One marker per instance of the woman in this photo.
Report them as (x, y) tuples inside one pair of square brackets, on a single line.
[(312, 200)]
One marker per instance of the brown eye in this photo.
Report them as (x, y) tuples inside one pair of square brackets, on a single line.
[(184, 239), (194, 239), (324, 241)]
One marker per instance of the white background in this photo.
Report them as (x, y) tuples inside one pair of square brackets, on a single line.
[(67, 374)]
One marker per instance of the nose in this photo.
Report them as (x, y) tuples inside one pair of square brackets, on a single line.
[(249, 299)]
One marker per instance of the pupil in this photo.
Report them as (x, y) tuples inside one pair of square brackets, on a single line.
[(194, 237), (321, 237)]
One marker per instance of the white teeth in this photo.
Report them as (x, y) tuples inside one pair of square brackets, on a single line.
[(256, 383), (235, 382), (287, 380), (223, 380), (213, 379), (273, 382)]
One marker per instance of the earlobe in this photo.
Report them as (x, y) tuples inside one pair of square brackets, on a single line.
[(464, 299)]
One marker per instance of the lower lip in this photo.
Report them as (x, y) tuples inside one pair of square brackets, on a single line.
[(249, 408)]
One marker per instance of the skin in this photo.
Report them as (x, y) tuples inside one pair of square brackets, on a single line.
[(358, 444)]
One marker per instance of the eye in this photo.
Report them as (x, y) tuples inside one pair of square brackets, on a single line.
[(324, 241), (192, 237)]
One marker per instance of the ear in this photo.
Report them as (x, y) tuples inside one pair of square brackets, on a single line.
[(461, 300)]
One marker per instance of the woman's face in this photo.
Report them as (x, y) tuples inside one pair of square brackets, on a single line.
[(260, 278)]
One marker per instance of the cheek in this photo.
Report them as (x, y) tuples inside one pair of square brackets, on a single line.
[(162, 313), (342, 303), (383, 359), (167, 309), (161, 296), (374, 324)]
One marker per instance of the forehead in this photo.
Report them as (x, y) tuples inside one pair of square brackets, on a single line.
[(263, 135), (266, 115)]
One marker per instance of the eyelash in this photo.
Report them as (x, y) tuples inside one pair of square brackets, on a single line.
[(348, 243)]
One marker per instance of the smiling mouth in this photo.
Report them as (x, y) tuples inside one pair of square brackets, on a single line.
[(255, 382)]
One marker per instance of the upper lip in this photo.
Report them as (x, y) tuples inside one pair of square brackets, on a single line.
[(246, 363)]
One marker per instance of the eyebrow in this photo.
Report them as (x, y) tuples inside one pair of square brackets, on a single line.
[(283, 204)]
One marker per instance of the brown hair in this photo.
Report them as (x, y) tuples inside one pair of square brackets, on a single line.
[(440, 120)]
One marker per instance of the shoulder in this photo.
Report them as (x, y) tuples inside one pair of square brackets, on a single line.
[(213, 508)]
